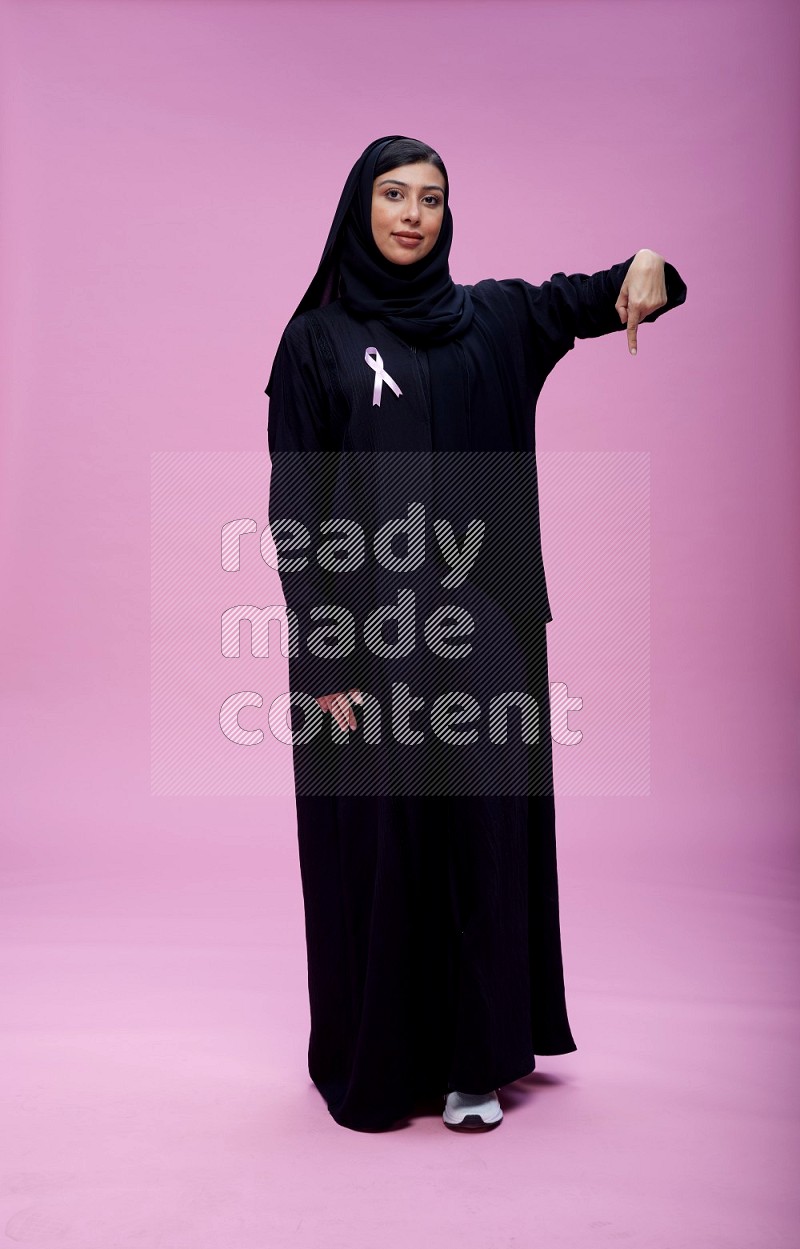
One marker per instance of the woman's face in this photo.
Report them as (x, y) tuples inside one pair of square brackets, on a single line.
[(407, 211)]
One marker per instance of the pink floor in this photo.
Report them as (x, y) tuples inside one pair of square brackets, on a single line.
[(153, 1052)]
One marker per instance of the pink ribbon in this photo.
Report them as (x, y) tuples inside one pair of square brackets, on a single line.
[(381, 376)]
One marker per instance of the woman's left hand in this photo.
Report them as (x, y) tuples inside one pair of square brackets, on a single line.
[(643, 291)]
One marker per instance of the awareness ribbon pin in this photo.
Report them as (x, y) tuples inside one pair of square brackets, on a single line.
[(381, 376)]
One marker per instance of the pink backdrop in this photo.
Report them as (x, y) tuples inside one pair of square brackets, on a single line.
[(170, 173)]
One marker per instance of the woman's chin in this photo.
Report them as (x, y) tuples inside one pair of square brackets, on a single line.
[(400, 255)]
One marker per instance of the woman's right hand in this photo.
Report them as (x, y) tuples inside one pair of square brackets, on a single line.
[(340, 705)]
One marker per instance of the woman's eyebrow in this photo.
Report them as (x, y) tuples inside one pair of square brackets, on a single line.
[(396, 182)]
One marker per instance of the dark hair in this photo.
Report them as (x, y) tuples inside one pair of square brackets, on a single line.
[(408, 152)]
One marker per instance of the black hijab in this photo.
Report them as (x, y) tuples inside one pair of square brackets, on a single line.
[(419, 302)]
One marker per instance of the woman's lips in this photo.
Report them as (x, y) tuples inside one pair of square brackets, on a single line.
[(405, 241)]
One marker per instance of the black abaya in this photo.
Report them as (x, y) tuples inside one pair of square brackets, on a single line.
[(432, 921)]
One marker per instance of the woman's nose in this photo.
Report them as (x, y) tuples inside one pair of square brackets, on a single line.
[(412, 211)]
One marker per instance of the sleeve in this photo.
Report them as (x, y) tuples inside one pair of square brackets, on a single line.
[(581, 305), (302, 485)]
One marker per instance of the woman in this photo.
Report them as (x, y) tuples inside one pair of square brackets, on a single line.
[(431, 905)]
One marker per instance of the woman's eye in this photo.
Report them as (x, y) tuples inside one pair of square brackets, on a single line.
[(433, 200)]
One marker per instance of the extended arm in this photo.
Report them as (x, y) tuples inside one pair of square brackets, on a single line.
[(588, 305)]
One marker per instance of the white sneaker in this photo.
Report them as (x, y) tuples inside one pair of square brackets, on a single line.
[(472, 1112)]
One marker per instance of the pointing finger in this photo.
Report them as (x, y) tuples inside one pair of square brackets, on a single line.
[(633, 322)]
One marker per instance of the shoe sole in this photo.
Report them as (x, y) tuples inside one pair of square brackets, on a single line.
[(472, 1123)]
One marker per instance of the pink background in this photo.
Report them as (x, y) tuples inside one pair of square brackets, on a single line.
[(170, 173)]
